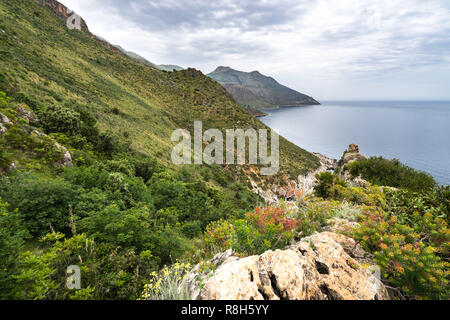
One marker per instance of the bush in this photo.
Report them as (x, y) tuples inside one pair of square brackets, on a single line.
[(392, 173), (138, 229), (409, 253), (314, 216), (262, 230), (61, 119), (43, 202), (326, 182), (218, 235), (168, 284), (411, 241), (107, 272), (12, 240)]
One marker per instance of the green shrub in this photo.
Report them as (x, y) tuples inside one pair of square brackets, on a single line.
[(4, 100), (43, 202), (121, 166), (262, 230), (138, 229), (326, 182), (218, 235), (314, 216), (409, 254), (61, 119), (12, 241), (107, 272), (5, 159), (392, 173)]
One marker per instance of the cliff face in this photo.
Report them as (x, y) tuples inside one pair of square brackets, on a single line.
[(324, 266), (255, 90), (65, 13)]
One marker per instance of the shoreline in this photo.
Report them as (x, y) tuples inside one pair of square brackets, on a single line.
[(259, 113)]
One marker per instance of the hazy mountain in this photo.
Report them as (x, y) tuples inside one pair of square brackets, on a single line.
[(169, 67), (257, 91), (138, 58)]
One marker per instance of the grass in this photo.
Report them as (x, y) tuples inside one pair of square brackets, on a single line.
[(46, 64)]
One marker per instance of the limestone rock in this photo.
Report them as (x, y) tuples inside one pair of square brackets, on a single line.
[(307, 182), (2, 129), (26, 114), (4, 119), (351, 155), (192, 280), (317, 267), (66, 157)]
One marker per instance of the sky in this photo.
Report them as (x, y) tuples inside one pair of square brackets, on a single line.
[(329, 49)]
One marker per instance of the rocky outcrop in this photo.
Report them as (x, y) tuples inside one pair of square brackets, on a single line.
[(26, 114), (307, 182), (195, 276), (318, 267), (351, 155), (66, 157), (4, 119), (62, 11)]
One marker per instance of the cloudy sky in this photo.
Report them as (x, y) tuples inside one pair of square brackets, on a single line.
[(330, 49)]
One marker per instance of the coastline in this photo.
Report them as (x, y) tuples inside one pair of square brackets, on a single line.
[(259, 113)]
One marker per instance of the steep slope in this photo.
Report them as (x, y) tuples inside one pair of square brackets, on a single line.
[(256, 91), (45, 64)]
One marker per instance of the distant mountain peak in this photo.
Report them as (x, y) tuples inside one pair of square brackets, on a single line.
[(254, 90), (222, 69)]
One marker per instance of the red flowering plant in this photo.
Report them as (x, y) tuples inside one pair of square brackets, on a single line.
[(263, 218), (263, 229)]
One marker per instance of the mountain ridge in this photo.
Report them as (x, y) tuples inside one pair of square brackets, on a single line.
[(254, 90)]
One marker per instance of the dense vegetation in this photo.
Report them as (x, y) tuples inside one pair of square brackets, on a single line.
[(123, 210), (393, 173), (405, 232), (134, 222), (118, 214)]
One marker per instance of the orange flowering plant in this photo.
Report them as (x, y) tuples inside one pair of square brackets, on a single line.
[(412, 256)]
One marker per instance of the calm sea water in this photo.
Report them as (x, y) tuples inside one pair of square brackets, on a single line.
[(417, 133)]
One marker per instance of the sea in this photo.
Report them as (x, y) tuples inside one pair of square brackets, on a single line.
[(415, 132)]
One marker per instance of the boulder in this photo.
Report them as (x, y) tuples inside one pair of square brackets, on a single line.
[(66, 158), (351, 155), (26, 114), (317, 267), (307, 182), (4, 119), (196, 275)]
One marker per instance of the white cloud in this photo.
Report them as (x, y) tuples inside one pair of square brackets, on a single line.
[(344, 49)]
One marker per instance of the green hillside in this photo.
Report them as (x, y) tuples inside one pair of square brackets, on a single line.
[(46, 64), (123, 209)]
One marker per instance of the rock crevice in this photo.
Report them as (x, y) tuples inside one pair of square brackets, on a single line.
[(318, 267)]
